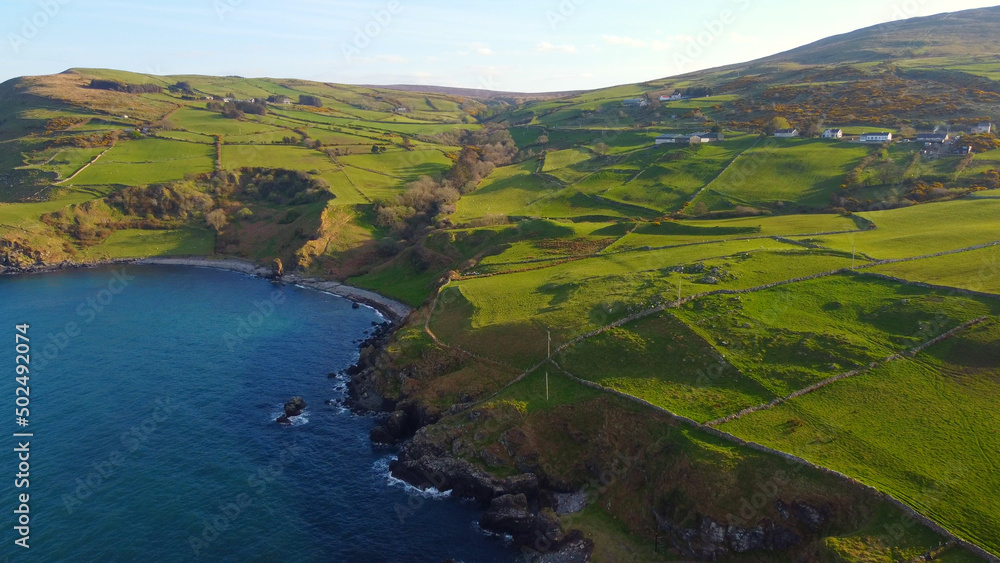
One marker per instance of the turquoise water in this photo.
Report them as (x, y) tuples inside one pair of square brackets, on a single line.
[(153, 395)]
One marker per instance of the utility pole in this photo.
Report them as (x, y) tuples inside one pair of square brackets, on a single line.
[(853, 254), (548, 354), (678, 293)]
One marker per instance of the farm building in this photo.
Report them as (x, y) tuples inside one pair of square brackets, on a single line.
[(786, 133), (635, 102), (933, 137), (983, 128), (833, 134), (671, 138), (882, 137), (708, 138), (672, 97), (693, 138)]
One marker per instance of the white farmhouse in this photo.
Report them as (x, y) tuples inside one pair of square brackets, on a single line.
[(876, 137)]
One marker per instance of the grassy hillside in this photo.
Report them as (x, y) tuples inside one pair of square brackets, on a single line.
[(773, 289)]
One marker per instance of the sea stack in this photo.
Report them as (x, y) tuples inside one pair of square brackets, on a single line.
[(293, 407)]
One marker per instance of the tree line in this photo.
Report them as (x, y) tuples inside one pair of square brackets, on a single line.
[(119, 86), (428, 200), (237, 109)]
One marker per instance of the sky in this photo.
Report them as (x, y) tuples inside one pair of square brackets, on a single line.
[(511, 45)]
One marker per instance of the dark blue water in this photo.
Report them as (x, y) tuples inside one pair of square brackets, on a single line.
[(152, 408)]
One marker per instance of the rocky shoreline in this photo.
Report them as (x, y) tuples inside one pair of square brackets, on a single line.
[(520, 507)]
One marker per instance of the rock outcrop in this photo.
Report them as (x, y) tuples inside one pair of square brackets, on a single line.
[(293, 407), (513, 501), (712, 540), (363, 387)]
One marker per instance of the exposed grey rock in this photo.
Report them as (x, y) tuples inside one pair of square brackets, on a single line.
[(574, 548), (569, 503), (777, 538), (295, 406), (509, 515), (490, 458), (711, 531), (742, 540), (811, 517)]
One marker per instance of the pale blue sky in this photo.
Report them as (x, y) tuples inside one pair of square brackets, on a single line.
[(516, 45)]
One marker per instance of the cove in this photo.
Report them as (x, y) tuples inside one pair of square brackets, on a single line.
[(154, 391)]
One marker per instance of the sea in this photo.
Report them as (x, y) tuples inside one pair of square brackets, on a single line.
[(151, 405)]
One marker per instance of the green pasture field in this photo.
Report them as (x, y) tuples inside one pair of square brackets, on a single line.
[(66, 162), (685, 232), (571, 298), (141, 173), (152, 150), (274, 156), (136, 243), (329, 137), (374, 186), (525, 136), (804, 172), (697, 457), (509, 189), (542, 239), (661, 360), (265, 138), (212, 123), (342, 187), (922, 229), (555, 160), (400, 280), (676, 173), (406, 165), (792, 336), (977, 270), (187, 136), (922, 429)]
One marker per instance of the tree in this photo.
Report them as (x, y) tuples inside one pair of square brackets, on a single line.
[(601, 148), (777, 123), (812, 129), (216, 219), (542, 139), (306, 100)]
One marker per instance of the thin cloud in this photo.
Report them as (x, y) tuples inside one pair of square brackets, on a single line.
[(622, 40), (482, 49), (546, 47)]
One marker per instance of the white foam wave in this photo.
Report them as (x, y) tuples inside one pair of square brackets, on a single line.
[(295, 420), (381, 468)]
